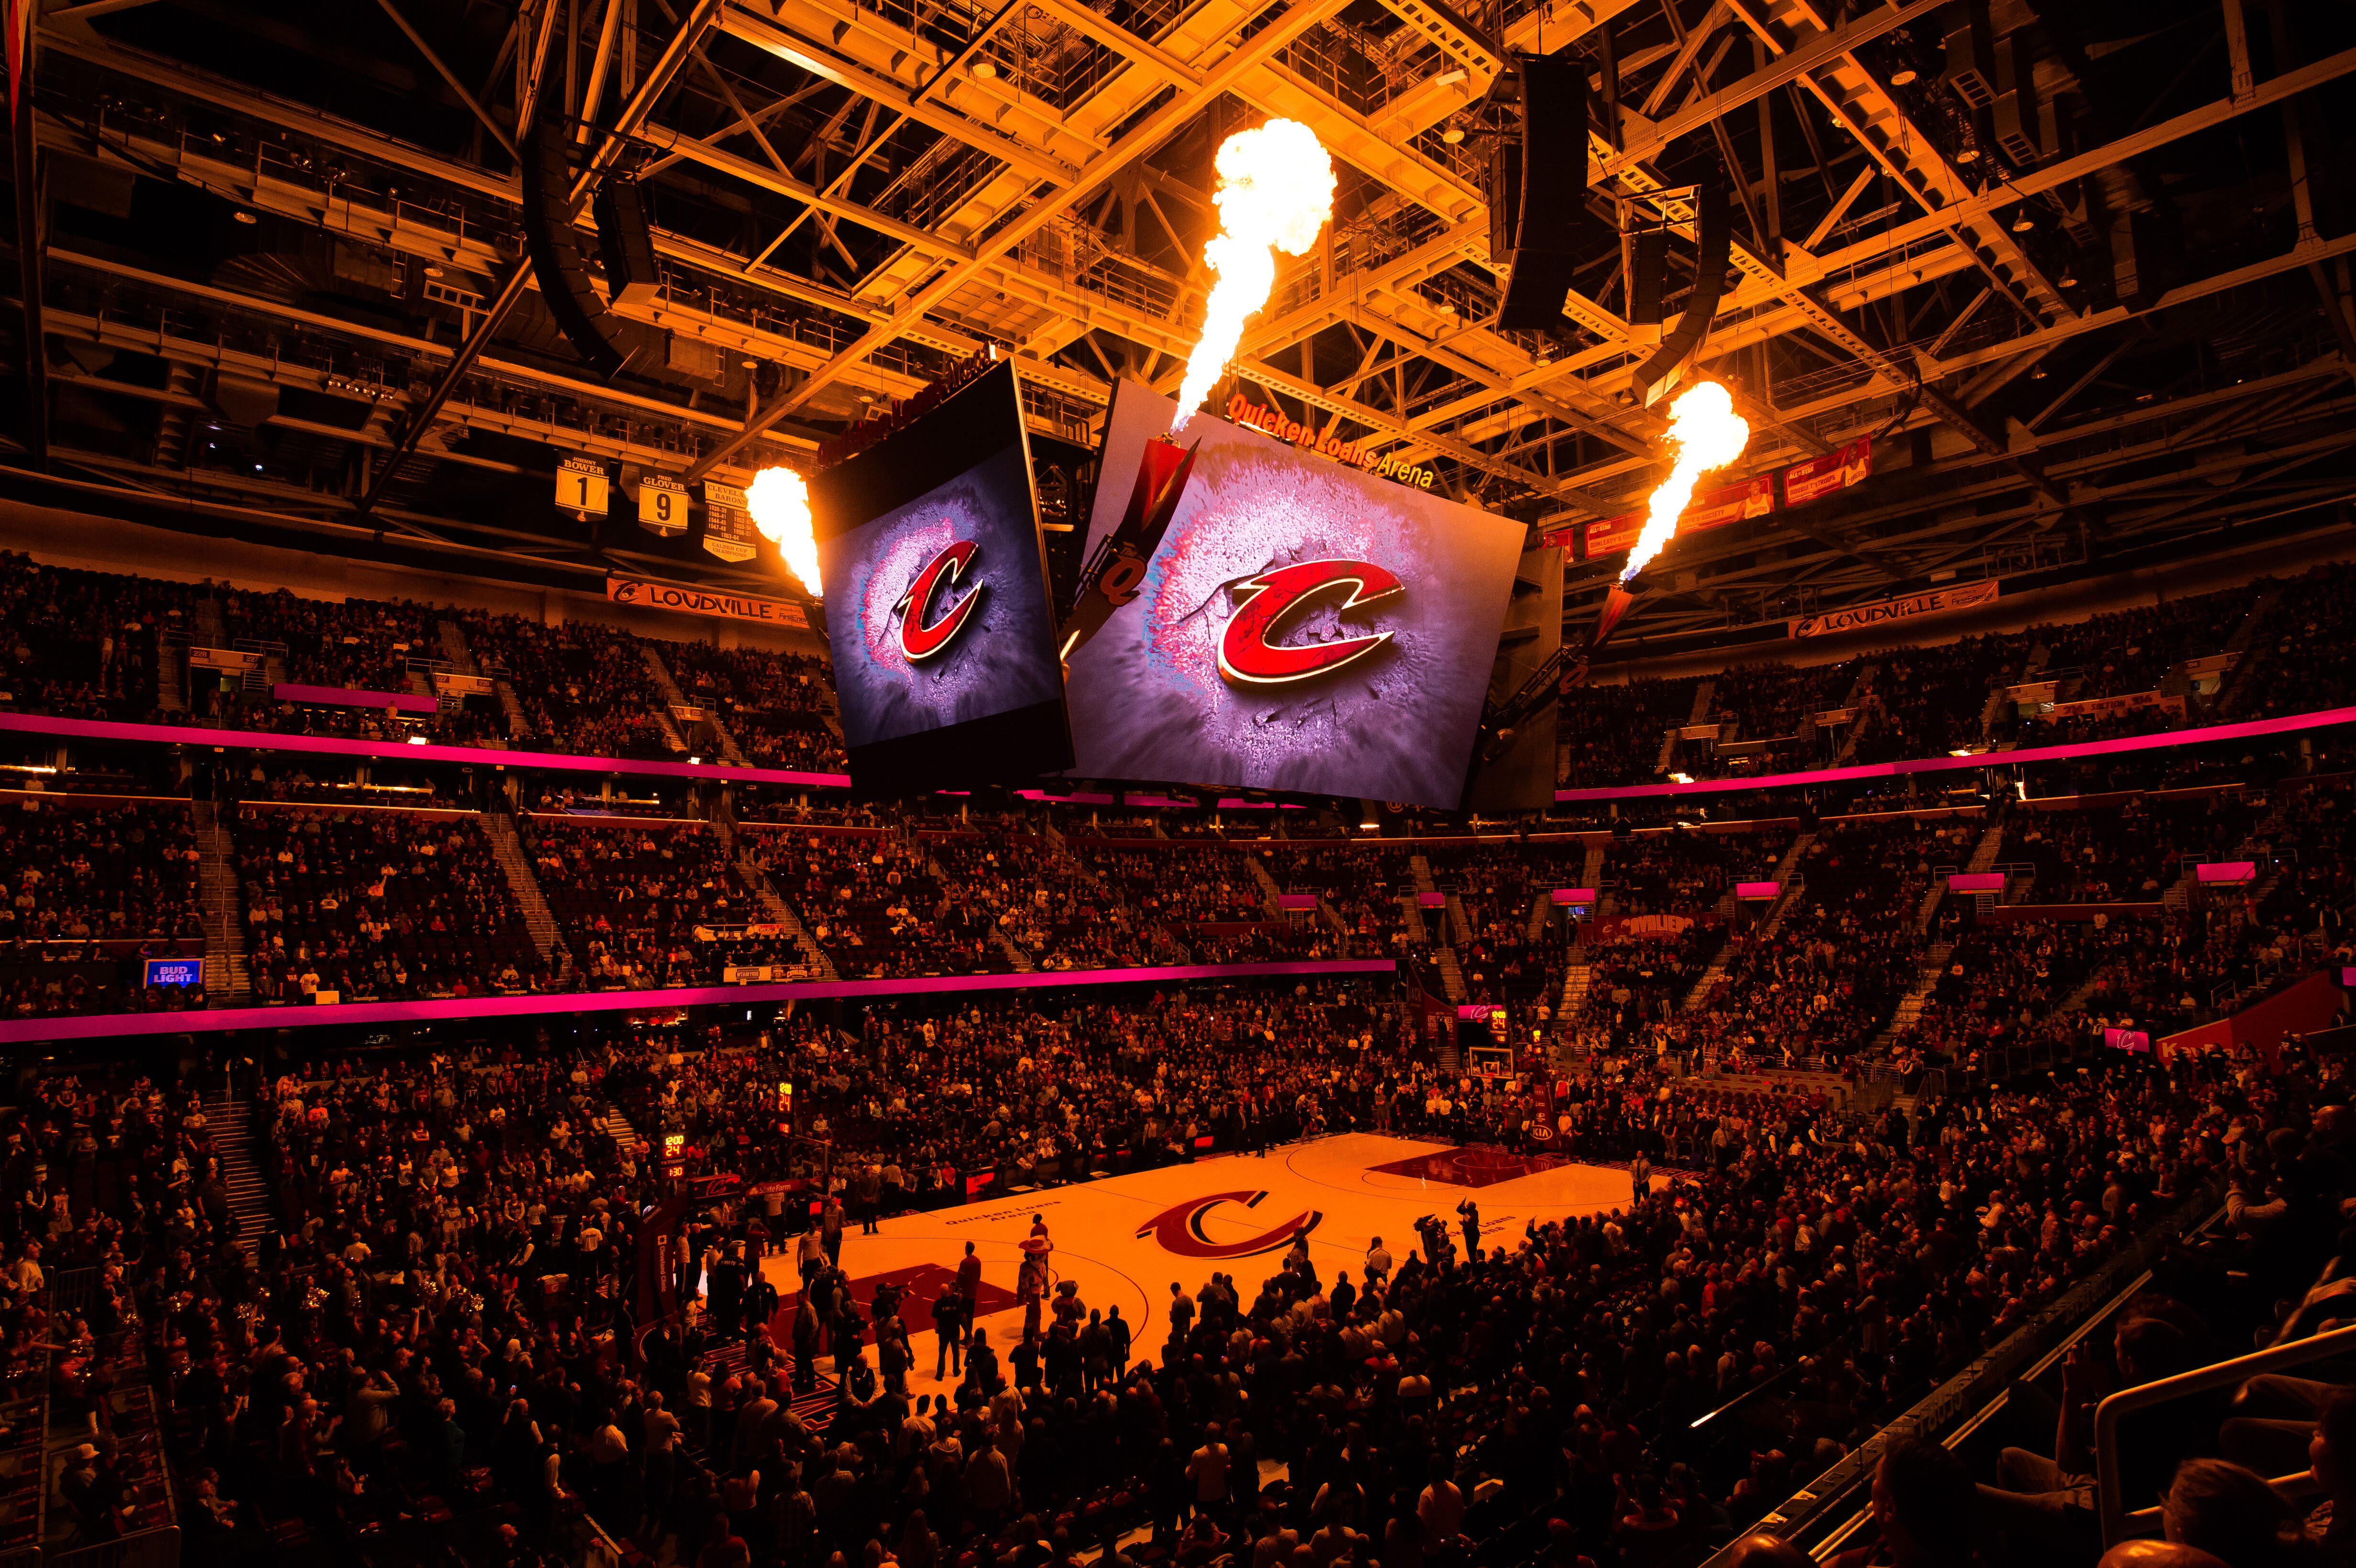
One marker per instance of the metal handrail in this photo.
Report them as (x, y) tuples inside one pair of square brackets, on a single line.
[(2200, 1380)]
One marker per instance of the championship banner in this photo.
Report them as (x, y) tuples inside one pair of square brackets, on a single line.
[(696, 602), (1836, 471), (1881, 612), (2110, 707)]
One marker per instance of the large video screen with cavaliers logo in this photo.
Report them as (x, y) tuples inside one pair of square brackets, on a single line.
[(937, 600), (1301, 624)]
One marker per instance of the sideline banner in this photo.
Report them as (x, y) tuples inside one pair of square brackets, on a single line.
[(1881, 612), (696, 602)]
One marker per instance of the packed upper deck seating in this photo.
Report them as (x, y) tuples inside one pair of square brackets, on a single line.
[(87, 889), (775, 705), (584, 689), (376, 904), (82, 645), (647, 904)]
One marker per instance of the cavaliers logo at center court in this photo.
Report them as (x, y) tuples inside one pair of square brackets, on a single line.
[(921, 638), (1180, 1229)]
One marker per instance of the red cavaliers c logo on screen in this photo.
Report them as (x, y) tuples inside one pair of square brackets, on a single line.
[(921, 639), (1247, 656), (1180, 1229)]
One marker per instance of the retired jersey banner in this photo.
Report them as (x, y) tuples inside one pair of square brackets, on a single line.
[(1710, 509), (1752, 498), (1881, 612), (697, 602), (1821, 476)]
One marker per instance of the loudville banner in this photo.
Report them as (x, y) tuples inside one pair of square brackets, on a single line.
[(697, 602), (1881, 612)]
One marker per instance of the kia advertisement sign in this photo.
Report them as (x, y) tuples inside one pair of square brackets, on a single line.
[(1303, 623), (937, 600)]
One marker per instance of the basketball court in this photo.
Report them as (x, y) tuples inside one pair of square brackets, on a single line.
[(1126, 1238)]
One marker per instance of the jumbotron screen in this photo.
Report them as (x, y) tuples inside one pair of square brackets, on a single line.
[(937, 600), (1301, 625)]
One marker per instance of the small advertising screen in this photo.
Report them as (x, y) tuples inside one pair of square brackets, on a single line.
[(174, 972), (1303, 622), (937, 600)]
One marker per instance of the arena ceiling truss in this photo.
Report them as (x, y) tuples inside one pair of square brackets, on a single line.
[(2080, 266)]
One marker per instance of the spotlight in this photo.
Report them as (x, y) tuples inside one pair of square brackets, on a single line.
[(1902, 77), (433, 271), (1968, 156), (2023, 224), (245, 217), (1453, 135), (984, 71)]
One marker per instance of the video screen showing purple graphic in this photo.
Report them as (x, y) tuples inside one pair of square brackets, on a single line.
[(1300, 624), (937, 600)]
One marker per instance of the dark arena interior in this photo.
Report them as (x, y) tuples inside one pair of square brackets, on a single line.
[(1178, 783)]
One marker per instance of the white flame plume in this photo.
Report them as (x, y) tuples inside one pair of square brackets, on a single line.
[(1276, 190), (1708, 434), (780, 503)]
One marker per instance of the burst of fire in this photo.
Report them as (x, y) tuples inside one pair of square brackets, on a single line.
[(1708, 434), (780, 503), (1275, 191)]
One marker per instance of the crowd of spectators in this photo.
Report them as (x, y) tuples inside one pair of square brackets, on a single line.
[(373, 903), (775, 705), (1611, 734), (584, 689), (647, 905), (82, 645), (358, 645), (441, 1319), (89, 889), (873, 903)]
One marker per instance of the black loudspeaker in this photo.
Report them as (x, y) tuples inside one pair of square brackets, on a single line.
[(1549, 198), (1505, 197), (1648, 274), (555, 249), (1716, 231), (623, 243)]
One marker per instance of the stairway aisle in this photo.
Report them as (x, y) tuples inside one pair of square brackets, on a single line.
[(547, 939), (228, 982), (249, 1201)]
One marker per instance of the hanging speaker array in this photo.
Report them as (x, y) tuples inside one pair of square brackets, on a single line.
[(1538, 190), (572, 300)]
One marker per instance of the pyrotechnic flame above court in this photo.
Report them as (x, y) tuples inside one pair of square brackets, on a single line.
[(1275, 191), (780, 503), (1708, 434)]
